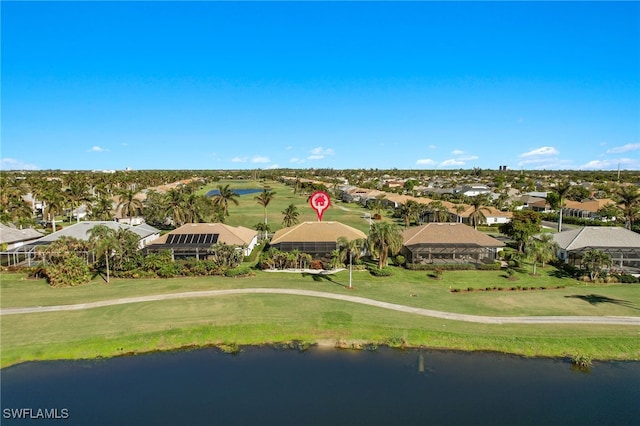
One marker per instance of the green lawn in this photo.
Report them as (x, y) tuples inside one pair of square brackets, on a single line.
[(260, 318), (256, 319), (248, 213)]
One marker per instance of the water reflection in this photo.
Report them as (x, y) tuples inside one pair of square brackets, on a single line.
[(279, 386)]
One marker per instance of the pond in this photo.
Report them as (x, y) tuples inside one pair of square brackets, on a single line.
[(245, 191), (320, 387)]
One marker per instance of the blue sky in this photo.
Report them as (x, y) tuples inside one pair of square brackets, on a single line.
[(243, 85)]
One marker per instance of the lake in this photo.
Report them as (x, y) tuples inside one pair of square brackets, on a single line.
[(241, 192), (266, 386)]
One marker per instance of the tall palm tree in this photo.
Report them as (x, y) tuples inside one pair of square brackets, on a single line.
[(290, 216), (630, 203), (477, 215), (55, 202), (224, 197), (384, 237), (175, 206), (265, 197), (104, 242), (129, 205), (77, 192), (562, 189)]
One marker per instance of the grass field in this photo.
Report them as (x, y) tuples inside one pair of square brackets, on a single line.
[(263, 319), (248, 213), (259, 319)]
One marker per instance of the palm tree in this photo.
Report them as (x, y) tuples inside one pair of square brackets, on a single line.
[(104, 242), (541, 250), (55, 201), (630, 203), (477, 216), (594, 261), (290, 216), (459, 209), (440, 213), (384, 237), (376, 205), (224, 196), (103, 209), (77, 192), (562, 189), (129, 205), (264, 199), (263, 227), (408, 211)]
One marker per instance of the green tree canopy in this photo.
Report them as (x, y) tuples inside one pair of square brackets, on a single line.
[(523, 225)]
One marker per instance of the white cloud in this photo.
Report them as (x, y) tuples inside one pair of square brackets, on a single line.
[(97, 149), (457, 152), (239, 159), (260, 159), (273, 166), (13, 164), (624, 148), (452, 162), (468, 158), (432, 146), (297, 160), (542, 151), (319, 153), (425, 162), (628, 163)]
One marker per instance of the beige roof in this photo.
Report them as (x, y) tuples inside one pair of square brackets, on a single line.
[(316, 232), (447, 233), (590, 206), (231, 235)]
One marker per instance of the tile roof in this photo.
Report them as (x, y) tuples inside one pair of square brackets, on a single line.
[(316, 232), (9, 234), (447, 233), (597, 236), (231, 235)]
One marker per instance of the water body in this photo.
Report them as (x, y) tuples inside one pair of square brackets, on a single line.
[(267, 386), (240, 192)]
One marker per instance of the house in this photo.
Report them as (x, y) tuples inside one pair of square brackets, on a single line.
[(587, 209), (472, 190), (621, 244), (194, 240), (14, 237), (493, 216), (80, 231), (318, 239), (448, 243)]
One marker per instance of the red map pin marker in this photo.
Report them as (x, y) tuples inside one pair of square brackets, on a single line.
[(320, 201)]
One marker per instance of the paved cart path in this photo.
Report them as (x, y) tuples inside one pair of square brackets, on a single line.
[(617, 320)]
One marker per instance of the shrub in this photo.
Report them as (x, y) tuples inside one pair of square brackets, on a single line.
[(385, 271), (399, 259), (495, 266), (240, 271), (627, 278), (316, 264), (443, 266)]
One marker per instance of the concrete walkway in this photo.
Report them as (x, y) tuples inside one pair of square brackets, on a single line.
[(354, 299)]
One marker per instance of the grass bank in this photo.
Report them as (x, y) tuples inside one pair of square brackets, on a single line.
[(263, 319)]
